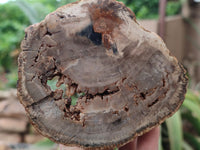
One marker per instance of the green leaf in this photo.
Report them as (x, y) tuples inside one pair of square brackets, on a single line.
[(194, 108), (186, 146), (160, 139), (174, 126), (191, 96), (195, 122), (52, 84), (74, 100), (192, 140), (173, 7), (12, 79), (45, 143), (28, 10)]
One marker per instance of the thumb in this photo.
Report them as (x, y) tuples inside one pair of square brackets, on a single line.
[(62, 147)]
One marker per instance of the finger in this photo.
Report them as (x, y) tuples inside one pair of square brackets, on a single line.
[(150, 140), (130, 146), (62, 147)]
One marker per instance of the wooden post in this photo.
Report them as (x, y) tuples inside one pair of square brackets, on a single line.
[(192, 45), (162, 13)]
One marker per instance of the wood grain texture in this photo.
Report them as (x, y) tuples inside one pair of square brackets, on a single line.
[(131, 82)]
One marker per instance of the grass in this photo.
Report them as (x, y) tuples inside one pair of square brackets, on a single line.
[(183, 128), (174, 126)]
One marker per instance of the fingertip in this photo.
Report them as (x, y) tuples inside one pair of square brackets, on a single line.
[(149, 140), (62, 147), (130, 146)]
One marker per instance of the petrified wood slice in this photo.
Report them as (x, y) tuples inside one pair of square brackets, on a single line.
[(128, 79)]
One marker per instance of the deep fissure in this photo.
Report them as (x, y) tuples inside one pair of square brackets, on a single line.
[(68, 93)]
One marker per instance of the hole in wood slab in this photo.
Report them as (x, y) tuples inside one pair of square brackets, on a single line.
[(72, 113), (143, 95), (89, 32), (36, 58), (116, 112), (49, 33), (153, 103), (70, 110), (61, 16), (68, 103), (58, 89), (68, 93), (105, 93), (163, 82), (116, 122), (75, 98), (123, 79), (53, 84), (58, 94), (126, 109), (26, 36), (65, 90), (114, 48)]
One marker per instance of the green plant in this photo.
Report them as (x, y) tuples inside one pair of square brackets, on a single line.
[(145, 9), (15, 19), (174, 126), (191, 114), (173, 8), (37, 10), (11, 33), (12, 79), (184, 134), (196, 28), (45, 144)]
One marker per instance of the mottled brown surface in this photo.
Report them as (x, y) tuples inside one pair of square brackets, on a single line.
[(130, 81)]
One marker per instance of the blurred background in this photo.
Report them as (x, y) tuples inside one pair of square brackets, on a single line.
[(177, 22)]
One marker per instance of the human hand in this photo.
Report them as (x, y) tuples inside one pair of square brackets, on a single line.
[(148, 141)]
